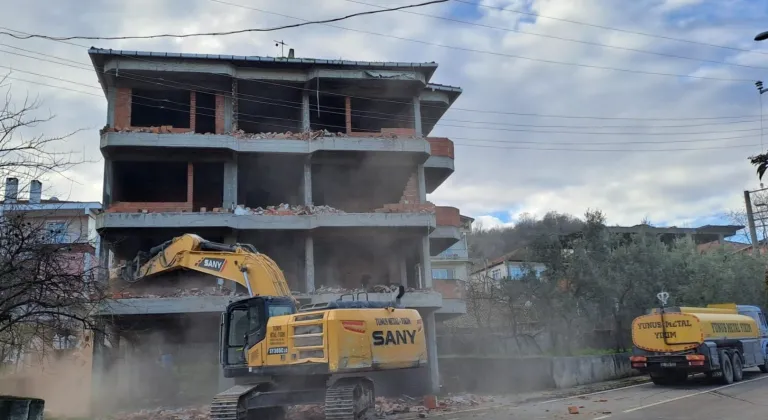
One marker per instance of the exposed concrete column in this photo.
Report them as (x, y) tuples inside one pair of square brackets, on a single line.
[(230, 239), (426, 263), (403, 272), (305, 126), (98, 374), (306, 182), (431, 336), (393, 269), (422, 184), (230, 183), (417, 116), (107, 190), (309, 263)]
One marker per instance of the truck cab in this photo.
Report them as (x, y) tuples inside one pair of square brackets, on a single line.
[(758, 315)]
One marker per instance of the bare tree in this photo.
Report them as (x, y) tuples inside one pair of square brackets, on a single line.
[(760, 210), (47, 289)]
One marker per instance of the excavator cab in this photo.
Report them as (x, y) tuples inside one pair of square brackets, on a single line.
[(244, 324)]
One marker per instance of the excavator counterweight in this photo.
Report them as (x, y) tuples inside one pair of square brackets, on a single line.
[(280, 355)]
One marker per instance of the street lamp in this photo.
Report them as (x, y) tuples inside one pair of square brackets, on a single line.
[(762, 36)]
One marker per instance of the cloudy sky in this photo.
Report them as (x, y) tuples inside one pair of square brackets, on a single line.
[(676, 159)]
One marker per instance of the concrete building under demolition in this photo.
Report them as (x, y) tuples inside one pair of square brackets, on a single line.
[(323, 165)]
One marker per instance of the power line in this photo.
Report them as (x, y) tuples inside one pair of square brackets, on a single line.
[(578, 41), (50, 77), (559, 149), (450, 109), (669, 38), (292, 127), (51, 86), (240, 31), (499, 54), (329, 109), (472, 145)]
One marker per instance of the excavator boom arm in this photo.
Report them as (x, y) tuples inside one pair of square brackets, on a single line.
[(240, 263)]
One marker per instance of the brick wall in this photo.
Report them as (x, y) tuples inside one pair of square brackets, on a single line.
[(441, 146), (348, 110), (220, 114), (411, 191), (122, 108), (159, 206), (192, 110), (447, 216), (449, 289)]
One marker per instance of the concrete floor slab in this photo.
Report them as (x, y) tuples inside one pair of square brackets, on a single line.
[(223, 141), (262, 222)]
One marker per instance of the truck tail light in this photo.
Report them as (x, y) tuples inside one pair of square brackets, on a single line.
[(638, 361), (695, 359)]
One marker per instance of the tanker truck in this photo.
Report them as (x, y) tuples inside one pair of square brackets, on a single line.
[(720, 341)]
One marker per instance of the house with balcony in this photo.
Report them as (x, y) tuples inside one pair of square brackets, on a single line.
[(323, 165), (60, 369)]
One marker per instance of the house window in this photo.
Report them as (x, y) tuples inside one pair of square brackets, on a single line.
[(496, 274), (57, 232), (516, 272), (443, 273)]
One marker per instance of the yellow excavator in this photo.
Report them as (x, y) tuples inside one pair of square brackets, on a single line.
[(280, 355)]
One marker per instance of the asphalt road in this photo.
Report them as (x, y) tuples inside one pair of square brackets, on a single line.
[(697, 400)]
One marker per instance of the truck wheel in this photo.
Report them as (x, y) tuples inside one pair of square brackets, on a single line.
[(738, 367), (726, 368), (764, 367), (661, 379)]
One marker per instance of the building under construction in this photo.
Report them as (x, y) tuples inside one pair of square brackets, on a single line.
[(324, 165)]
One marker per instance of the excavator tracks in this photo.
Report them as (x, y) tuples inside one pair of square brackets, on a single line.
[(226, 405), (350, 399)]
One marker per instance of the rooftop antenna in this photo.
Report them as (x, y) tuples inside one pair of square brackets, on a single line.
[(282, 46)]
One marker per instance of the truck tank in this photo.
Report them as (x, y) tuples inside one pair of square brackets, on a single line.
[(686, 328)]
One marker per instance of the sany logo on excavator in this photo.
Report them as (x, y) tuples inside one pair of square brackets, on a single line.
[(215, 264)]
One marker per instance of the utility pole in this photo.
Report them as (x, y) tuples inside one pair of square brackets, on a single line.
[(751, 223)]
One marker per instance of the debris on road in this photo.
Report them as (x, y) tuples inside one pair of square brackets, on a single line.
[(385, 407), (186, 413), (573, 409)]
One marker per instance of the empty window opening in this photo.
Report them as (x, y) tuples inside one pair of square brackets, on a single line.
[(372, 116), (208, 190), (356, 262), (154, 108), (205, 113), (286, 248), (149, 181), (270, 180), (331, 116), (263, 108), (357, 189)]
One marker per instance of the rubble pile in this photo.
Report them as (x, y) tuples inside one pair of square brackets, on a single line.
[(427, 207), (163, 129), (288, 135), (286, 210), (187, 413), (385, 407), (178, 292)]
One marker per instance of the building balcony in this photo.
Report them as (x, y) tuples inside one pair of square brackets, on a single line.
[(447, 231), (439, 165)]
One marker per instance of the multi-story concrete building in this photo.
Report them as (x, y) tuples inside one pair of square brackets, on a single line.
[(58, 367), (450, 269), (321, 164)]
